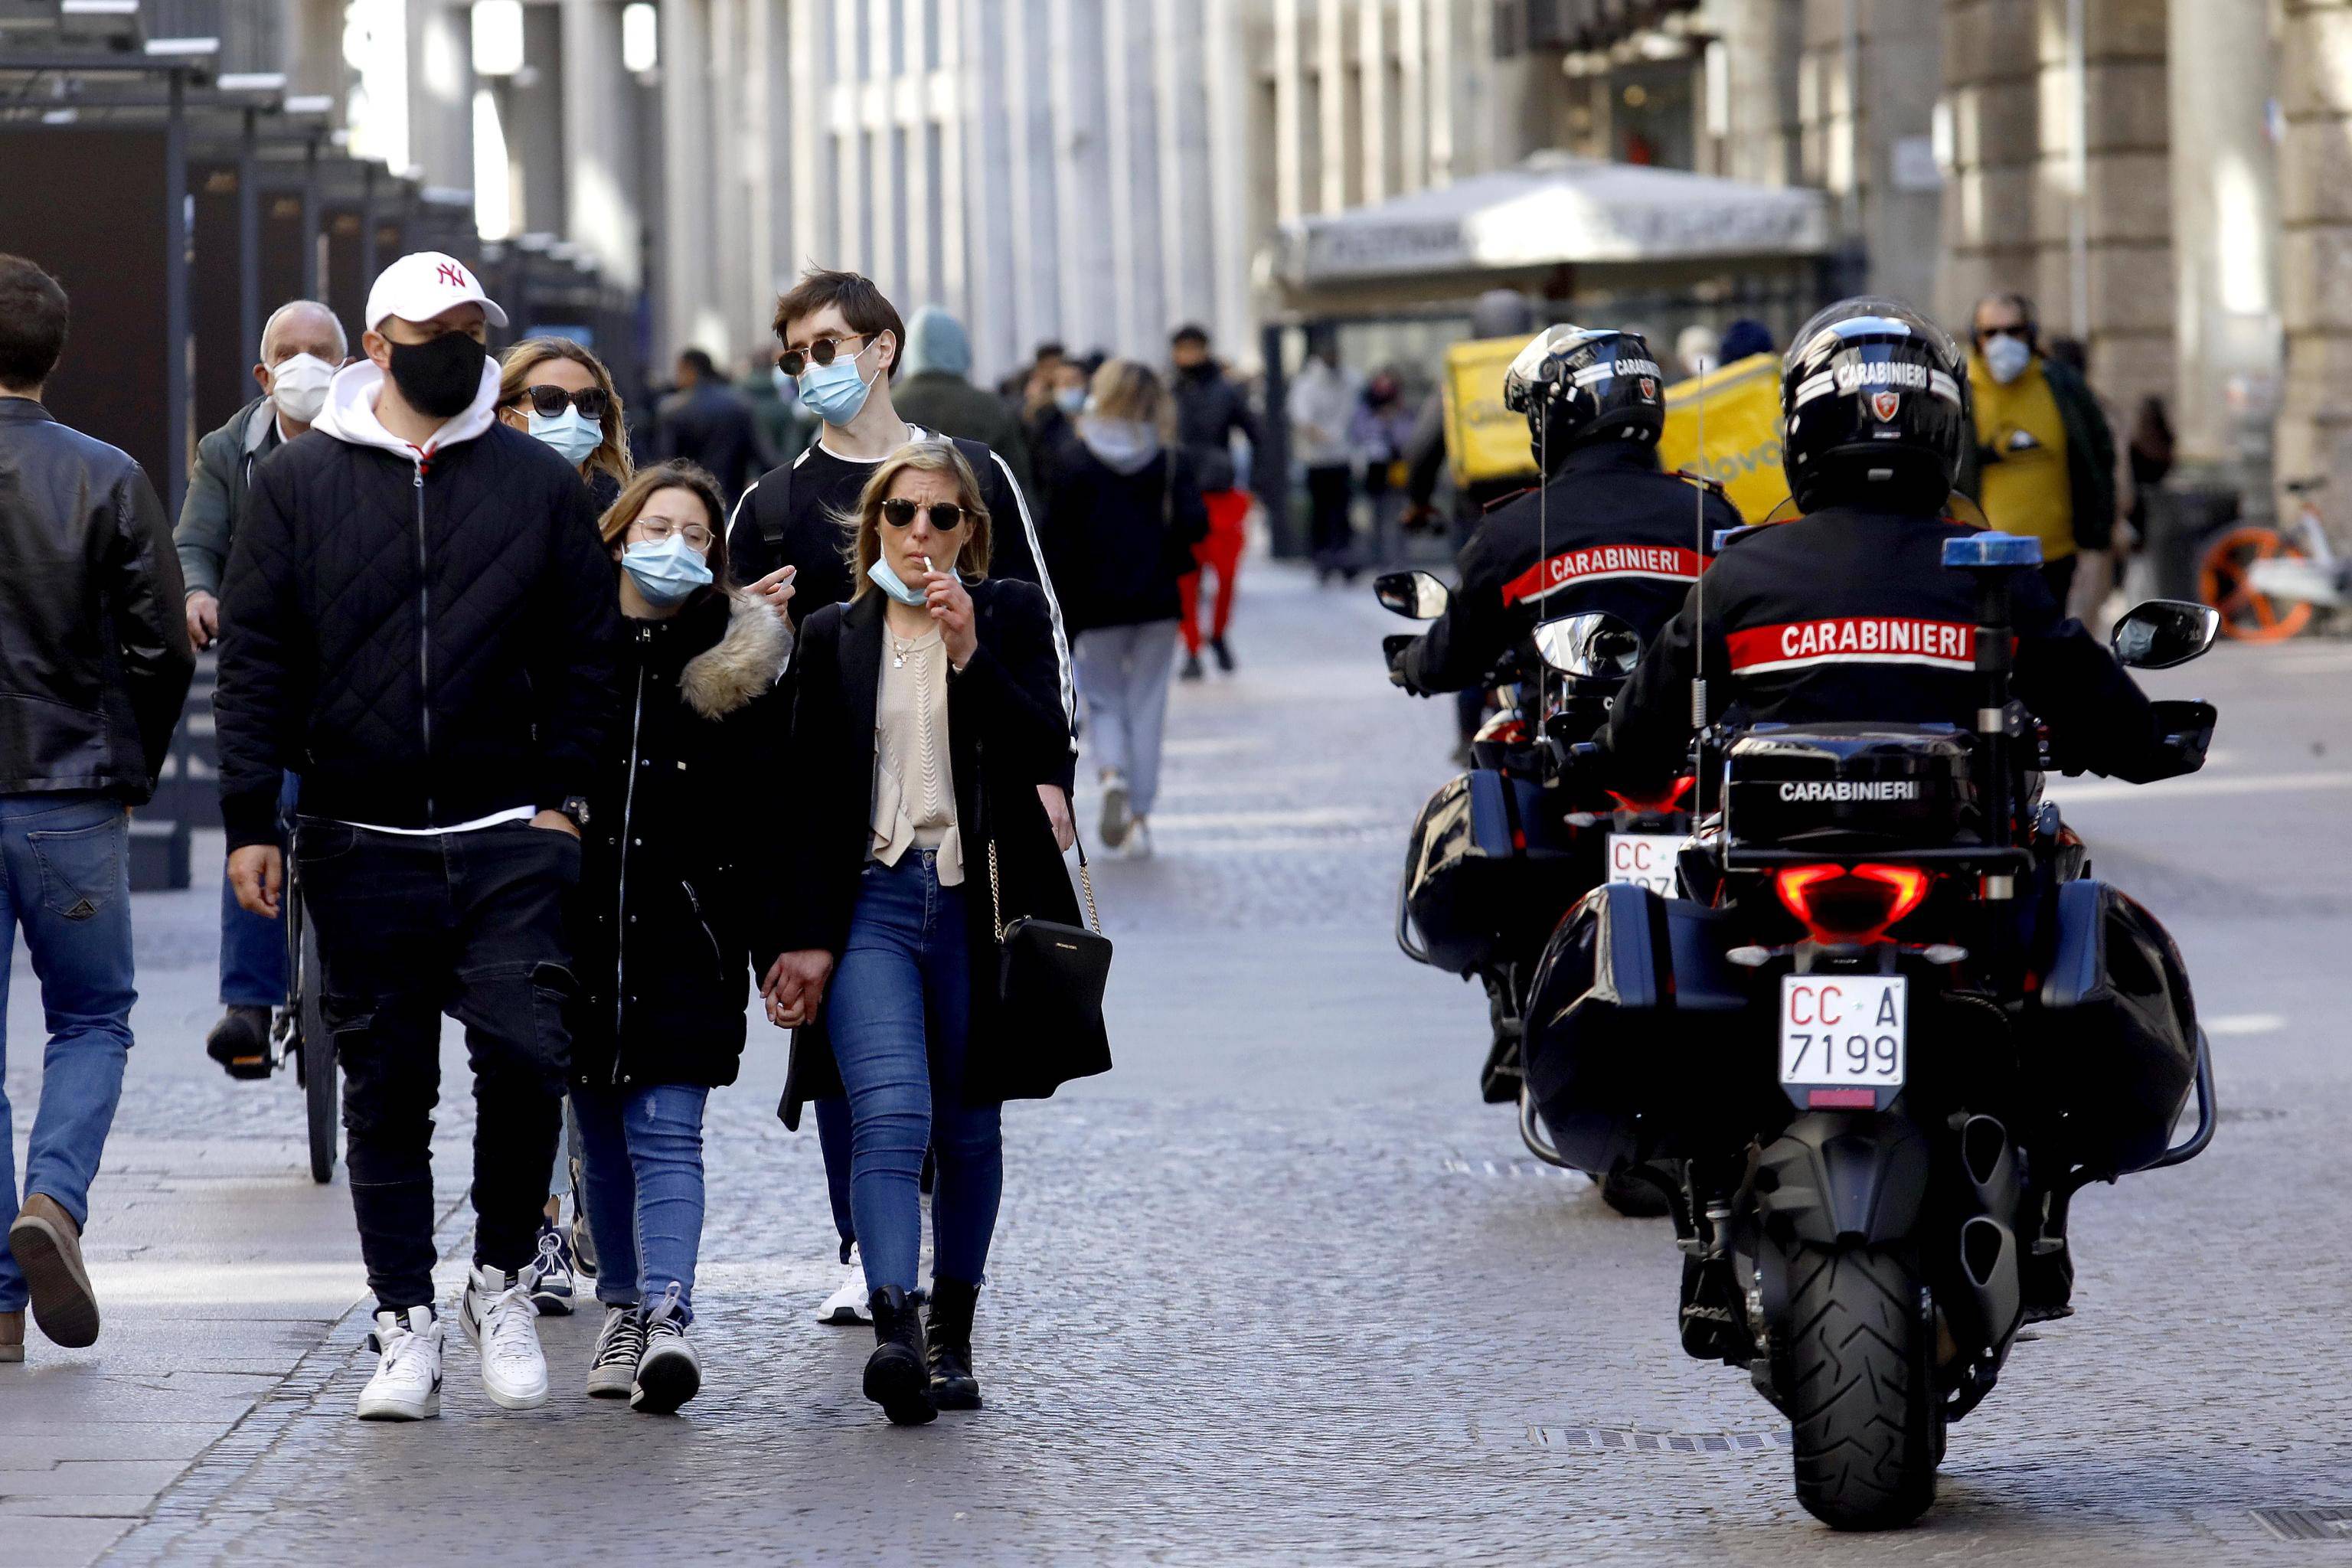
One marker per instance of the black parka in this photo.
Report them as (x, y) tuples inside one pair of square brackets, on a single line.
[(678, 913), (1118, 545)]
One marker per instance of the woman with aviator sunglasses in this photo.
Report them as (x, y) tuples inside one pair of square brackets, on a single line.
[(555, 389), (928, 713)]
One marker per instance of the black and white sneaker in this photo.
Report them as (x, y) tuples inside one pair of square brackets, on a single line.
[(668, 1373), (407, 1381), (613, 1369)]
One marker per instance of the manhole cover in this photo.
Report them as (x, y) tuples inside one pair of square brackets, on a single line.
[(1633, 1439), (2306, 1524)]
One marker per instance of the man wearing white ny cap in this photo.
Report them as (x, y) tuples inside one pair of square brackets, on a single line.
[(421, 623)]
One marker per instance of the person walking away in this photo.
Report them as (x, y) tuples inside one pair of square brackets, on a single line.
[(418, 607), (707, 425), (302, 346), (1381, 431), (2044, 463), (928, 714), (785, 428), (937, 393), (95, 662), (1209, 410), (1322, 402), (675, 917), (1122, 516), (561, 393), (840, 337)]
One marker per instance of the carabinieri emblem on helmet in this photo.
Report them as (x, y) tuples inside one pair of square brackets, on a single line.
[(1885, 405)]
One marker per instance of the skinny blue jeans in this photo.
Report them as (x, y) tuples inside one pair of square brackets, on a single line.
[(641, 1176), (65, 878), (253, 947), (899, 1016)]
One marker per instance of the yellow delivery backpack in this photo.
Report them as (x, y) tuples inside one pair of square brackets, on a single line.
[(1743, 433), (1483, 440)]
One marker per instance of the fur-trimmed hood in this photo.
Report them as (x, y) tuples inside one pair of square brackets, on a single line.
[(743, 663)]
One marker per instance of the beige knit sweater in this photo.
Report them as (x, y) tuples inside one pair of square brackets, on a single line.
[(914, 779)]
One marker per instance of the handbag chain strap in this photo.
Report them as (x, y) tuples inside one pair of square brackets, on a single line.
[(996, 892)]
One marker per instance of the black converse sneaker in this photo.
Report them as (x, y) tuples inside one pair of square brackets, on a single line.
[(668, 1373), (613, 1369)]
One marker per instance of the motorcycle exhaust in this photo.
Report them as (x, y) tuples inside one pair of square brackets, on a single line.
[(1989, 1266), (1989, 1159)]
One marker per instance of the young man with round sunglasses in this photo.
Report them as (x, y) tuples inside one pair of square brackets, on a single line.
[(841, 339)]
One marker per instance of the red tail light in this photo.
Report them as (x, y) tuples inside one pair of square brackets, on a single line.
[(1839, 903), (1670, 801)]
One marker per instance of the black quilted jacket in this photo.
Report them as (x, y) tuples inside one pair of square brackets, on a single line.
[(423, 647)]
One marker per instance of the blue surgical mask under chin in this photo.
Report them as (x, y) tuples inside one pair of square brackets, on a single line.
[(1071, 399), (882, 577), (667, 572), (835, 392), (568, 434)]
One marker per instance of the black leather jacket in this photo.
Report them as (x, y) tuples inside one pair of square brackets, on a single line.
[(94, 655)]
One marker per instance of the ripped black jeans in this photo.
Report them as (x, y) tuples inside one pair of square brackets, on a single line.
[(472, 924)]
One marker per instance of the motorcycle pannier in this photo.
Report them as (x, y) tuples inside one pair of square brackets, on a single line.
[(1483, 868), (2112, 1035)]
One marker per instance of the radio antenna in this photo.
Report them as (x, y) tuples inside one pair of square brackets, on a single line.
[(1543, 551), (1699, 590)]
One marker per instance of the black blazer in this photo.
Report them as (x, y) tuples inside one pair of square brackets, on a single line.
[(1006, 735)]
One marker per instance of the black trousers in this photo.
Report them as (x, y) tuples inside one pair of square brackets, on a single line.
[(1332, 532), (471, 924)]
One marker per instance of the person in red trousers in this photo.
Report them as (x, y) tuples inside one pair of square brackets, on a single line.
[(1209, 408)]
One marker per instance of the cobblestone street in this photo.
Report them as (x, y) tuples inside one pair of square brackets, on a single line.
[(1279, 1288)]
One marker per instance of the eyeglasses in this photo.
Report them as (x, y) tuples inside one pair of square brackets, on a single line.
[(657, 529), (821, 351), (945, 515), (547, 402)]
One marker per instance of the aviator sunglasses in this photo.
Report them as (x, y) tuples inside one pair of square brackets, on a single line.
[(547, 402), (821, 351), (945, 515)]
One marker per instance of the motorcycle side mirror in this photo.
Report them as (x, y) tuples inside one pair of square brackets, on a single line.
[(1416, 596), (1591, 646), (2162, 633)]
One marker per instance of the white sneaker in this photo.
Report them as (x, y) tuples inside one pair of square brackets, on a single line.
[(613, 1370), (670, 1374), (407, 1381), (498, 1317), (846, 1306), (1139, 840)]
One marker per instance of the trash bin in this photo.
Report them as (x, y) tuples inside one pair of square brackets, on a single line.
[(2180, 523)]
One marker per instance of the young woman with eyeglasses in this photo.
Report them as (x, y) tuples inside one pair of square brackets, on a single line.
[(555, 389), (928, 711), (673, 921)]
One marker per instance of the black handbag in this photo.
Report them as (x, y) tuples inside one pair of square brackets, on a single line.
[(1049, 989)]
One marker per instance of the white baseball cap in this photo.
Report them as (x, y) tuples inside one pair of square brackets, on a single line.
[(421, 285)]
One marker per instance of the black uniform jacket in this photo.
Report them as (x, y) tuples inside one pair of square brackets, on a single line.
[(1610, 532)]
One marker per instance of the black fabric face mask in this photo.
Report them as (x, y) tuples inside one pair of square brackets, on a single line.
[(440, 376)]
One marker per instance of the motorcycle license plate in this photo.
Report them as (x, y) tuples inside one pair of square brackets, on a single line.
[(1842, 1038), (1645, 859)]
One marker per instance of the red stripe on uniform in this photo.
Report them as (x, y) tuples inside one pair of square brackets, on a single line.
[(1854, 639), (1602, 561)]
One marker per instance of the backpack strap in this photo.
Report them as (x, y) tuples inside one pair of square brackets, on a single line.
[(771, 505)]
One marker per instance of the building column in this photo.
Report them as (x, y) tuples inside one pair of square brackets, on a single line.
[(2315, 179), (604, 215), (441, 94)]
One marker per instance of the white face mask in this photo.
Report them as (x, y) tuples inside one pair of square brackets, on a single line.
[(2007, 357), (299, 386)]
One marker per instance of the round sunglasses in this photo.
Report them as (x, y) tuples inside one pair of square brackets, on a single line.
[(547, 402), (821, 351), (945, 515)]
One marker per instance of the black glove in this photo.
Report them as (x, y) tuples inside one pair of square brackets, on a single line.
[(1394, 647)]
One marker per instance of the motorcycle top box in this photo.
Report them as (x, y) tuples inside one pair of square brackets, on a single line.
[(1857, 785), (1483, 871)]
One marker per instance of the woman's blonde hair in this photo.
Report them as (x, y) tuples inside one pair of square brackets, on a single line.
[(918, 458), (611, 454), (1128, 389)]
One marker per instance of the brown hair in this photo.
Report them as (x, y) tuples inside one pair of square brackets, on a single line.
[(33, 317), (917, 457), (611, 454), (676, 474), (860, 300)]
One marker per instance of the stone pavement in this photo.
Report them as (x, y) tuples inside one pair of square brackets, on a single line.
[(1278, 1288)]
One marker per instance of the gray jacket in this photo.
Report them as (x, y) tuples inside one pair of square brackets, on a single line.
[(215, 495)]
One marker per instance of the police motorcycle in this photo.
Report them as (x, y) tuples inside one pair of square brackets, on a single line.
[(1501, 852), (1890, 1028)]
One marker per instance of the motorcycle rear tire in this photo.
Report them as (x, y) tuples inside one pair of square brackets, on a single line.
[(1854, 1373)]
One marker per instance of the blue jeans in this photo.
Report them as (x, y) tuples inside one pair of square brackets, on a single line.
[(253, 947), (641, 1177), (899, 1013), (65, 877), (833, 1143)]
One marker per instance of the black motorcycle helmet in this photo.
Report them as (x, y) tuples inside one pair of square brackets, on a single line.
[(1577, 386), (1874, 409)]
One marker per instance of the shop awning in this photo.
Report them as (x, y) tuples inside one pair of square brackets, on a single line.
[(1551, 210)]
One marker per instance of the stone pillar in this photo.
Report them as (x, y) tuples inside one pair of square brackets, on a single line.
[(530, 107), (602, 210), (441, 94), (2314, 173)]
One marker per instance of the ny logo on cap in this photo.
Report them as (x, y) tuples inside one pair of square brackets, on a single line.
[(452, 274)]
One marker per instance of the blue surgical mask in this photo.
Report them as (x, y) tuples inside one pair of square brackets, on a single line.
[(835, 392), (665, 570), (2007, 357), (1071, 399), (568, 434), (882, 577)]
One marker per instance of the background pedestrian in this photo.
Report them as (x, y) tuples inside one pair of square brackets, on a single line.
[(705, 422), (2043, 462), (1381, 432), (94, 664), (1210, 410), (1322, 403), (935, 393)]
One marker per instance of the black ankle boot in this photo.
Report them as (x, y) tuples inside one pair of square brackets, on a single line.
[(953, 1387), (898, 1377)]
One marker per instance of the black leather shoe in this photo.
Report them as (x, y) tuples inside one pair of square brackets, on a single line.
[(240, 1042), (897, 1375), (953, 1387), (1225, 655)]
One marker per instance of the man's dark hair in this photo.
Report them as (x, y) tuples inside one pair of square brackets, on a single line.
[(33, 316), (860, 300), (1190, 332), (698, 362), (1050, 349)]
